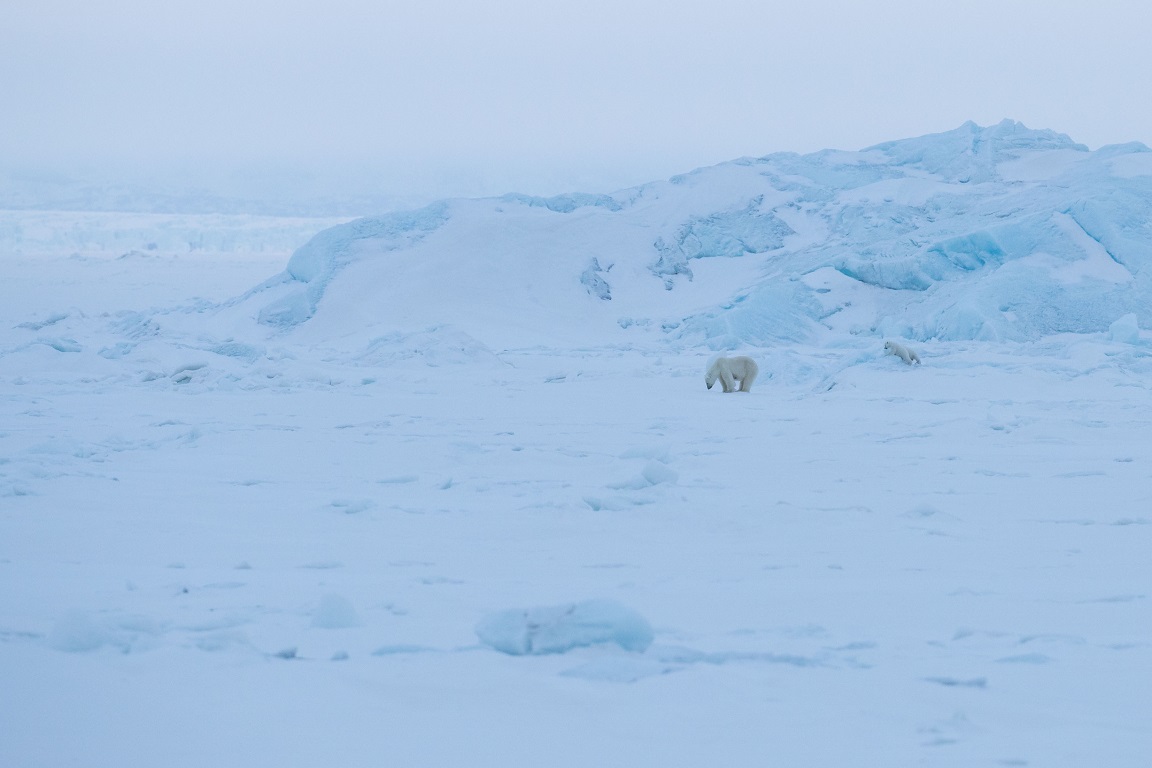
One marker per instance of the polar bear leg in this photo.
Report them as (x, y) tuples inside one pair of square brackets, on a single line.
[(726, 380), (720, 369), (747, 371)]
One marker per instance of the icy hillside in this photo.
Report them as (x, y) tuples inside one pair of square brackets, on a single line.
[(988, 233)]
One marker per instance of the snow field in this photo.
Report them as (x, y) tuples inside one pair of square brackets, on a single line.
[(942, 564)]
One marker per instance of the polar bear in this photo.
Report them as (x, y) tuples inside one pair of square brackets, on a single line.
[(901, 351), (730, 370)]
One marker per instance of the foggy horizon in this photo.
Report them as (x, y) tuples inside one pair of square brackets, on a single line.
[(469, 99)]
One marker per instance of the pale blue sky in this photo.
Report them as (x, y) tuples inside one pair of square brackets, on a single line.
[(462, 97)]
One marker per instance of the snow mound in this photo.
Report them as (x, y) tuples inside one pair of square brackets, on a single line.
[(335, 612), (557, 629)]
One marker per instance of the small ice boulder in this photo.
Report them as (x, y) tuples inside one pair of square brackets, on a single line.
[(335, 612), (1125, 330), (77, 632), (657, 473), (560, 628)]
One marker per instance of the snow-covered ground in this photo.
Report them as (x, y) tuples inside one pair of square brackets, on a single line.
[(423, 496)]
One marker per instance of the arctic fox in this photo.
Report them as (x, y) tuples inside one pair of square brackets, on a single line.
[(901, 351), (730, 370)]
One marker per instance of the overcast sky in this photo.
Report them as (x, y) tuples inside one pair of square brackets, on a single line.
[(459, 97)]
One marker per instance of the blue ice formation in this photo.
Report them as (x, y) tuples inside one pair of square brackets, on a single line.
[(560, 628), (315, 263), (971, 153), (720, 234), (999, 233), (593, 281), (979, 233)]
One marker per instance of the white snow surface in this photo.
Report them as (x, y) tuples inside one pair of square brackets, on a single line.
[(446, 488)]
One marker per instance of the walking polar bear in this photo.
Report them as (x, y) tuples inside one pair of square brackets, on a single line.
[(901, 351), (731, 370)]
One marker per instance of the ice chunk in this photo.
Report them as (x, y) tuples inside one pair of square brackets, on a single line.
[(77, 632), (1125, 330), (595, 284), (560, 628), (656, 473), (335, 612)]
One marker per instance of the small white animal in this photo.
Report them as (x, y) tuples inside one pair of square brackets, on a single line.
[(731, 370), (901, 351)]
